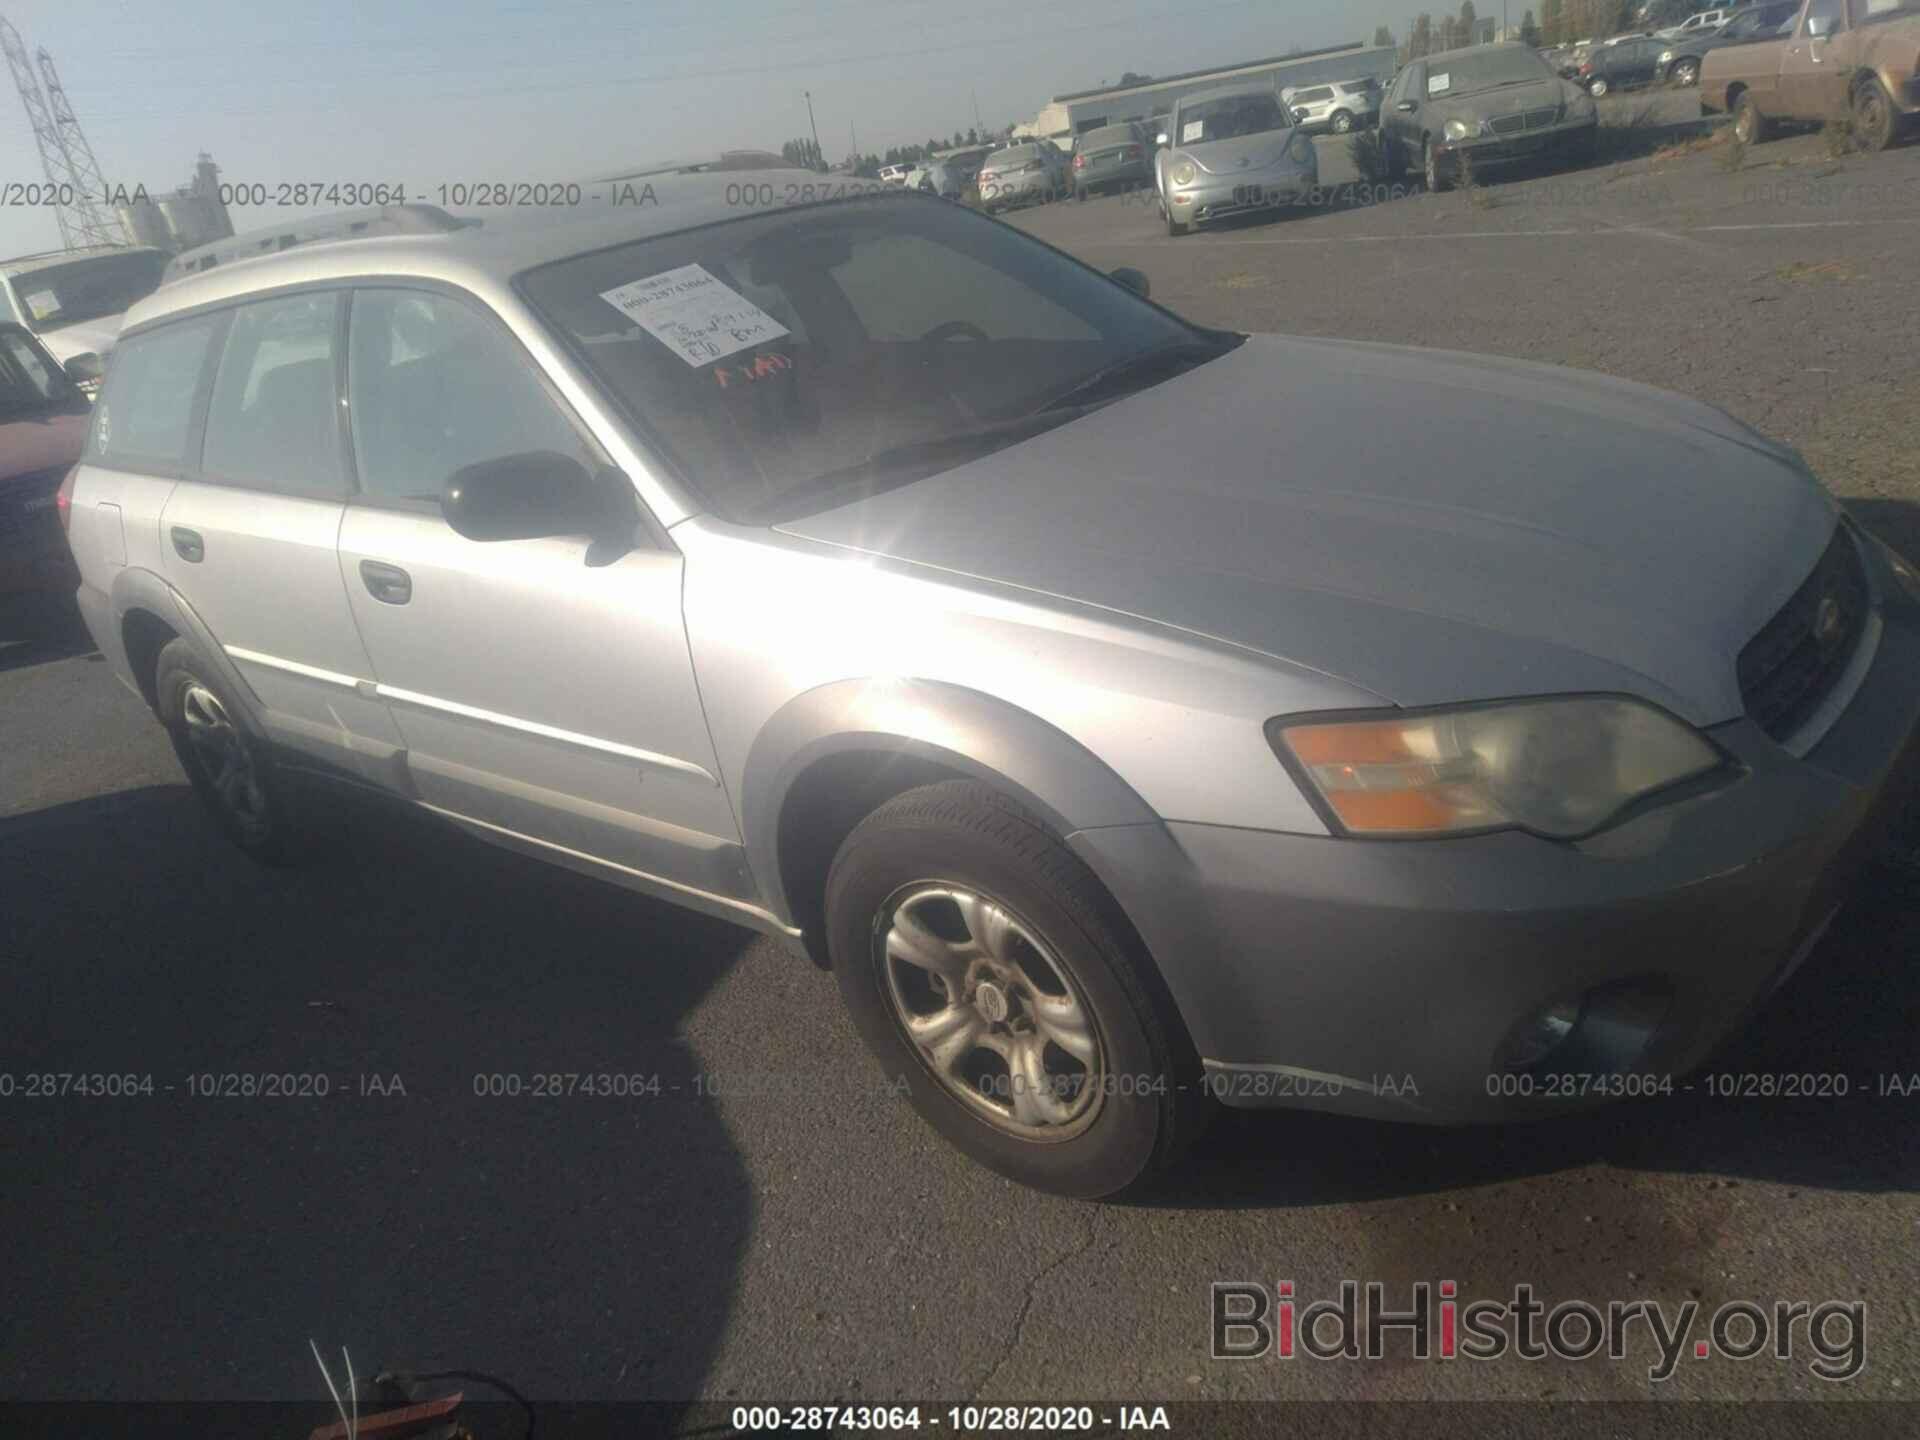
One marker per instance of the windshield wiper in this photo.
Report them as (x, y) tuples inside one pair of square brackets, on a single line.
[(904, 463), (1135, 372)]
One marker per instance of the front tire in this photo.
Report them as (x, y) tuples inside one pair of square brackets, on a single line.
[(228, 765), (985, 965), (1687, 73), (1342, 122), (1750, 124)]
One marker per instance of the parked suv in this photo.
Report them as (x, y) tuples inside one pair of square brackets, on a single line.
[(1338, 107), (871, 574)]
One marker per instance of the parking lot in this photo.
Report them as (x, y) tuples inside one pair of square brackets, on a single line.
[(769, 1223)]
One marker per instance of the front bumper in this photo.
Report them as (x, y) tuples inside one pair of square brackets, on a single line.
[(1566, 140), (1214, 197), (1386, 979)]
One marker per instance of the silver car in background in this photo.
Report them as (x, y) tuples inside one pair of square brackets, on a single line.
[(1030, 173), (1109, 700), (1231, 151), (1336, 108), (73, 300)]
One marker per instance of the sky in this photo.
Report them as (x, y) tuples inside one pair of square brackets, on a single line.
[(431, 92)]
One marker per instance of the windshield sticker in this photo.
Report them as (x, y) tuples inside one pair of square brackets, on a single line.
[(1440, 84), (694, 315), (1191, 131), (42, 303), (757, 368)]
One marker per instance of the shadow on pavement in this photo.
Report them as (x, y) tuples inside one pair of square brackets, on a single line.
[(181, 1245), (40, 625)]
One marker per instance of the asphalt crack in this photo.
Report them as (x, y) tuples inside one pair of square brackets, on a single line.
[(1026, 1305)]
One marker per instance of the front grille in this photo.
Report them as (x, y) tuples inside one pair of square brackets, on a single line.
[(27, 500), (1514, 124), (1791, 666)]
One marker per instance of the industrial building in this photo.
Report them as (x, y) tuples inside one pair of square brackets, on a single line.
[(1073, 114)]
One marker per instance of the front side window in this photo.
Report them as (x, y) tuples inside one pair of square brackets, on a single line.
[(780, 357), (271, 424), (144, 414), (434, 385)]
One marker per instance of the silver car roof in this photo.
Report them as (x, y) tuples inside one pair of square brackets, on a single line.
[(483, 257)]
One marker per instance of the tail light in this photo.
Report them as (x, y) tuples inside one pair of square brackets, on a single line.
[(1586, 67), (1079, 162), (63, 501)]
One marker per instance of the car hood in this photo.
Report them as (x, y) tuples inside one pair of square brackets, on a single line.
[(1245, 152), (1430, 526), (83, 336), (1512, 100)]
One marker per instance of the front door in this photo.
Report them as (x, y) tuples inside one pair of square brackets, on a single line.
[(543, 693), (1812, 85)]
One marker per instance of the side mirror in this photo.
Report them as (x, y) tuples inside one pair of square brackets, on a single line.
[(1133, 279), (531, 497), (1160, 139), (1818, 27), (84, 368)]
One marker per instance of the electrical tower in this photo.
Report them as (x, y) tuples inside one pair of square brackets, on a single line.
[(65, 156)]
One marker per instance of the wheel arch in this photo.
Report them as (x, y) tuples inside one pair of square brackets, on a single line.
[(831, 756), (150, 613)]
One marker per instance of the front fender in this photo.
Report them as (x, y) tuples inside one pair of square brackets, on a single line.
[(964, 730)]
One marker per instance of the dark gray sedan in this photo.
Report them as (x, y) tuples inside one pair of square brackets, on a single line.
[(1490, 105), (1112, 157)]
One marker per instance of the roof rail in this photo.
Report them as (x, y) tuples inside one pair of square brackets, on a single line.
[(312, 230)]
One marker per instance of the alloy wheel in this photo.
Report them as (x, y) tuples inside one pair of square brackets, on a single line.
[(993, 1012), (224, 757)]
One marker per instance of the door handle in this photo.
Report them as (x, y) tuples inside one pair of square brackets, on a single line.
[(188, 544), (388, 584)]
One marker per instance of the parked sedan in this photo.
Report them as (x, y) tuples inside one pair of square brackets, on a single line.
[(1488, 106), (1628, 65), (1028, 173), (1231, 151), (43, 422), (1112, 157), (1680, 62), (1133, 714)]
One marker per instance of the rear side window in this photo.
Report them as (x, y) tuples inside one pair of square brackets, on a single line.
[(433, 386), (144, 415), (1313, 96), (272, 423)]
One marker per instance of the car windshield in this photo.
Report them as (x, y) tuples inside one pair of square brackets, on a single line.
[(1484, 70), (874, 341), (30, 383), (88, 289), (1230, 117)]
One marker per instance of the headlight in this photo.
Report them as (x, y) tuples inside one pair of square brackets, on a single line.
[(1182, 172), (1458, 130), (1560, 768)]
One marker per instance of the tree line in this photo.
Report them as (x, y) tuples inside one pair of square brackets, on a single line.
[(806, 154), (1559, 22)]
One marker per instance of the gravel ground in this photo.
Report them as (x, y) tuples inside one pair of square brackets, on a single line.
[(810, 1239)]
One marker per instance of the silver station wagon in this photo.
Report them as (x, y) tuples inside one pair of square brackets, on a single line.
[(1135, 716)]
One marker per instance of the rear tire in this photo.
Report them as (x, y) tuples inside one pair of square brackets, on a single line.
[(952, 909), (1599, 87), (1342, 122), (228, 764), (1876, 124), (1686, 72)]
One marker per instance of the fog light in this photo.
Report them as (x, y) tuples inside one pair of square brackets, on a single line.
[(1540, 1035)]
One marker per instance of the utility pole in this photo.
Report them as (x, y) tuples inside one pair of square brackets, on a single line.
[(817, 156), (978, 128)]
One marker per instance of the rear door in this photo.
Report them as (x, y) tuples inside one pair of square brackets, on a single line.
[(247, 537), (544, 692)]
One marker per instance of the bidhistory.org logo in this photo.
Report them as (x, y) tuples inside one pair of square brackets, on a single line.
[(1251, 1322)]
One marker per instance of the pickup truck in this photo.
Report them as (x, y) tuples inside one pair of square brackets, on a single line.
[(1863, 55)]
